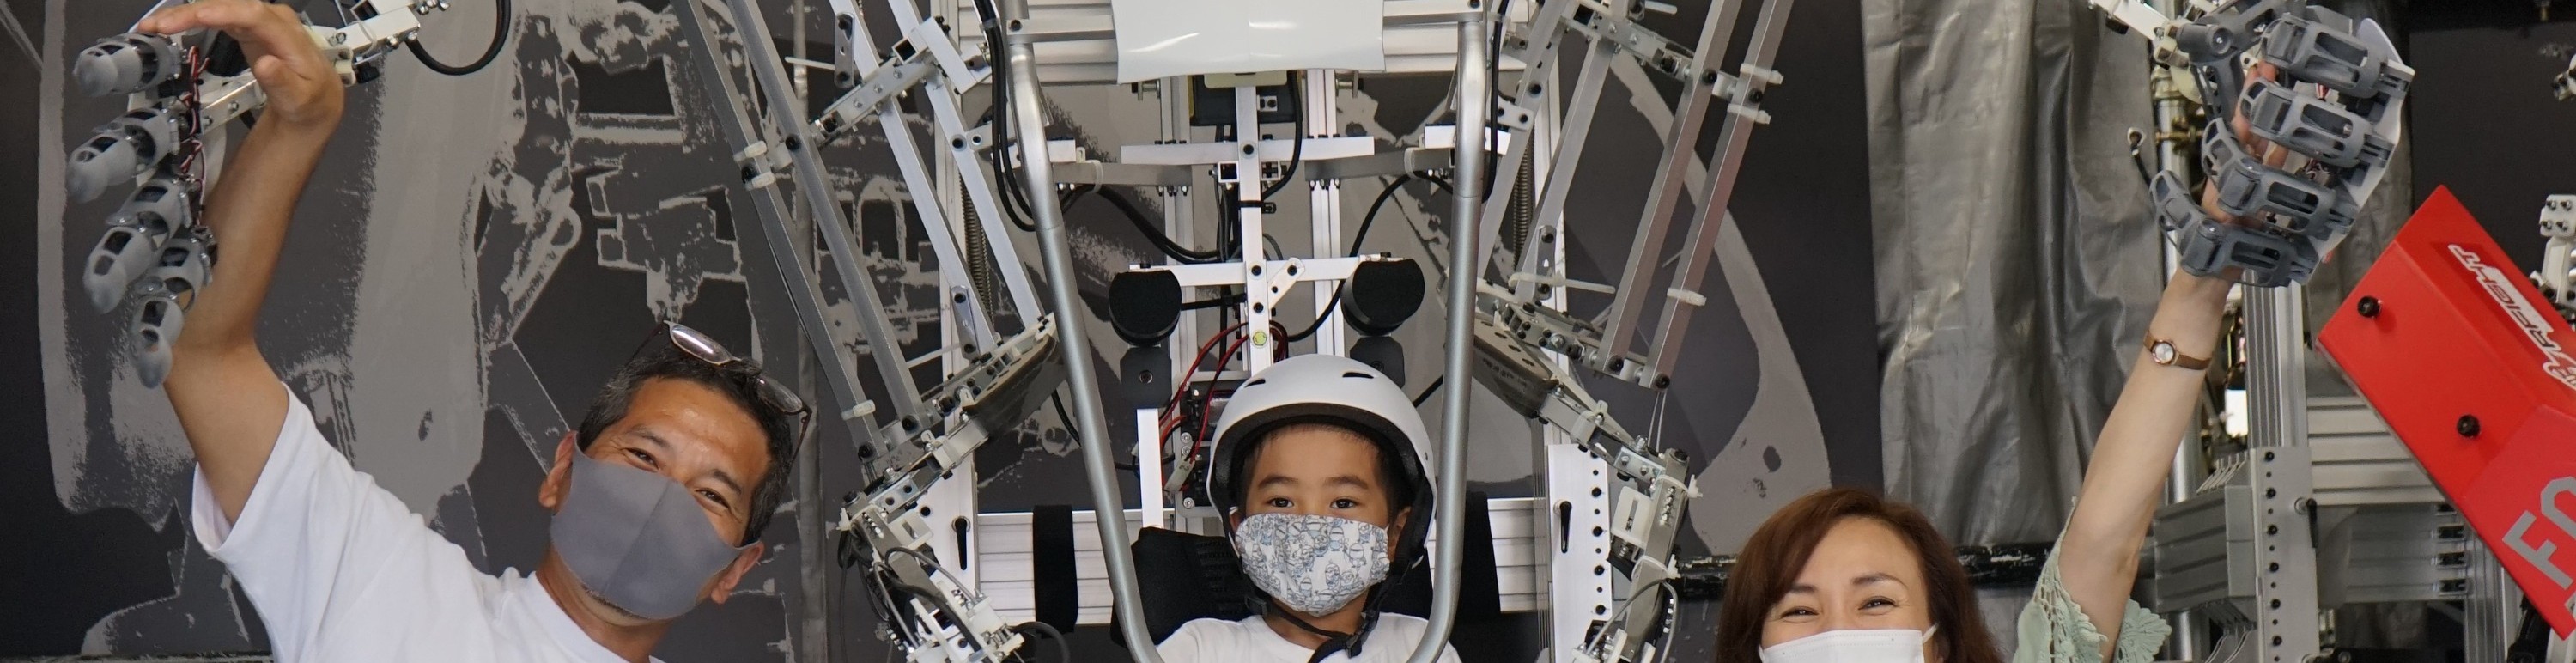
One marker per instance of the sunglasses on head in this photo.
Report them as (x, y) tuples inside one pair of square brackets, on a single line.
[(776, 396)]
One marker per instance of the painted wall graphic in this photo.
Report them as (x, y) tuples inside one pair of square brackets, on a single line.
[(477, 254)]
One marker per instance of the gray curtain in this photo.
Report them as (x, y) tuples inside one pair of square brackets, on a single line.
[(2017, 260)]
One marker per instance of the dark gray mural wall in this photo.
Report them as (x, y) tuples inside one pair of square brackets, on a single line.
[(478, 253)]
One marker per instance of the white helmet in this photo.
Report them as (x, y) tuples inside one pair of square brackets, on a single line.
[(1331, 389)]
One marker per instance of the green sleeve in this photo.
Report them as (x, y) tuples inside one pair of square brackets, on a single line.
[(2054, 630)]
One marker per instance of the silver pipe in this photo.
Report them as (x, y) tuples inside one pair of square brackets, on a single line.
[(1475, 106), (1028, 122)]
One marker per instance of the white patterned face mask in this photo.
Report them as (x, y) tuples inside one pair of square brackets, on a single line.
[(1312, 564)]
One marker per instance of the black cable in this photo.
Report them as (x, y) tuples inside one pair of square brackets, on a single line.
[(1427, 391), (1063, 651), (1145, 225), (1069, 428), (1366, 220), (1493, 74), (1213, 302), (1296, 150), (1329, 308), (1015, 202), (500, 36)]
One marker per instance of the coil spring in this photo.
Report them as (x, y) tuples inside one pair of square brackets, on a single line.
[(1522, 210), (980, 271)]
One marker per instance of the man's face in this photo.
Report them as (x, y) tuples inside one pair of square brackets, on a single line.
[(1318, 470), (694, 435)]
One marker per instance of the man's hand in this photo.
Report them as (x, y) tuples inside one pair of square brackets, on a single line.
[(228, 399), (303, 89)]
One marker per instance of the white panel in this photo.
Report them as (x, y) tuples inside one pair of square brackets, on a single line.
[(1164, 38)]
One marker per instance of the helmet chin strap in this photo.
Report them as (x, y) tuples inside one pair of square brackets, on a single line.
[(1334, 642)]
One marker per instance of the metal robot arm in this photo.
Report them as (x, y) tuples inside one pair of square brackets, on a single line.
[(154, 251), (933, 615), (1651, 489)]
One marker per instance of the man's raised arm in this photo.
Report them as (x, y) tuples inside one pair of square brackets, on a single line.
[(228, 399)]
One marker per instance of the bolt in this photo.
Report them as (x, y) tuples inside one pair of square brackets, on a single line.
[(2468, 425), (2368, 307)]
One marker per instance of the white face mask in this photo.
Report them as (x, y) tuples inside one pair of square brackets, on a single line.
[(1312, 564), (1890, 645)]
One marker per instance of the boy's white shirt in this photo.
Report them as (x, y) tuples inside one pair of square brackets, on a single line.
[(341, 570), (1251, 640)]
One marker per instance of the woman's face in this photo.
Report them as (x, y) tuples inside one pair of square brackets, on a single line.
[(1863, 575)]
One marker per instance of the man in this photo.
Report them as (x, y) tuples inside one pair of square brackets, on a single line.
[(1318, 465), (658, 499)]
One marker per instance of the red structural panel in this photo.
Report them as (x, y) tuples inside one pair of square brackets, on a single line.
[(2473, 370)]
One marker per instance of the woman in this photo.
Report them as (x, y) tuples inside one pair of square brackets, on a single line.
[(1843, 575)]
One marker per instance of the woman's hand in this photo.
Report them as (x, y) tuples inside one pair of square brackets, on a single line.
[(303, 89)]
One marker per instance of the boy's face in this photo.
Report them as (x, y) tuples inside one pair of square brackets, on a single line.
[(1311, 469)]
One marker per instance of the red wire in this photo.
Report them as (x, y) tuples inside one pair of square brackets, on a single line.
[(1182, 386), (194, 145), (1210, 398), (1171, 406)]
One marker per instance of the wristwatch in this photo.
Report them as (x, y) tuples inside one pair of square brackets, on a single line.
[(2162, 352)]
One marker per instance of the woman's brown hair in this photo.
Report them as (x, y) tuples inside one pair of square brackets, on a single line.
[(1778, 551)]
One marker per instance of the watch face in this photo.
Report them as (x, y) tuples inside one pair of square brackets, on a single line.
[(2162, 352)]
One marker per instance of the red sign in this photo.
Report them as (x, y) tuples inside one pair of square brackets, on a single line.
[(2476, 373)]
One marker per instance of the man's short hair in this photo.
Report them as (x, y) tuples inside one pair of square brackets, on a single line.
[(1390, 472), (738, 382)]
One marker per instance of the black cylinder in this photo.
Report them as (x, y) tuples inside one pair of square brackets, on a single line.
[(1381, 295), (1144, 306)]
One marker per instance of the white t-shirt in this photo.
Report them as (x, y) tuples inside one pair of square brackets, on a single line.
[(1252, 641), (341, 570)]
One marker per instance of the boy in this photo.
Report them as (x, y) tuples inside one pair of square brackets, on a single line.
[(1318, 465)]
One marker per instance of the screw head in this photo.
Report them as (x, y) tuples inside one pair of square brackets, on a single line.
[(2368, 307), (2468, 425)]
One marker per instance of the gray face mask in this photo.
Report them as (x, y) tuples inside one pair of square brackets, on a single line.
[(637, 539)]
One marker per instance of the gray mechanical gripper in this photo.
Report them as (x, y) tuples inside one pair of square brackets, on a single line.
[(127, 63), (2313, 127), (2324, 51), (124, 148)]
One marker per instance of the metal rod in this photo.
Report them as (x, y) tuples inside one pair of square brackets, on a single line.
[(1475, 105), (1672, 175), (1029, 120), (1723, 168), (771, 75), (775, 238)]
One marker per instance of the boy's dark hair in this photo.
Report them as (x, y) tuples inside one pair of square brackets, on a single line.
[(738, 382), (1399, 491)]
